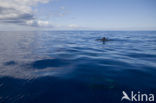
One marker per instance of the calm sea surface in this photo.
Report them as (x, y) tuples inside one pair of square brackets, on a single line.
[(72, 67)]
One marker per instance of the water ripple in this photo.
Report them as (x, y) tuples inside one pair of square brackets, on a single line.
[(45, 64)]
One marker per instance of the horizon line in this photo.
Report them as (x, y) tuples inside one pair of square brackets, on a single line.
[(76, 30)]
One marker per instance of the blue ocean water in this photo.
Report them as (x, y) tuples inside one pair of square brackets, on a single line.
[(72, 67)]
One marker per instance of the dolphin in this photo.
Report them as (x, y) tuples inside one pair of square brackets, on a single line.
[(104, 39)]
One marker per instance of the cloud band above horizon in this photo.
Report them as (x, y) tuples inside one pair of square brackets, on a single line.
[(20, 12)]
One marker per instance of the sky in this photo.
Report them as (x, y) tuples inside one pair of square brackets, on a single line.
[(77, 15)]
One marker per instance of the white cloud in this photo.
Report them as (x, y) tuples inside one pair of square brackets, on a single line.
[(38, 23), (30, 22), (43, 23), (73, 26), (20, 12)]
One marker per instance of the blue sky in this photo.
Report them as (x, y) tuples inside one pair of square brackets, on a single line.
[(78, 15)]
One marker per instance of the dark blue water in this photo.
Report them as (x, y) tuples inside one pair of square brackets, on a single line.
[(72, 67)]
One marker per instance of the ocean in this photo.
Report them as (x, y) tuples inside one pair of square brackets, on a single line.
[(73, 67)]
